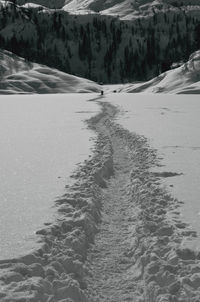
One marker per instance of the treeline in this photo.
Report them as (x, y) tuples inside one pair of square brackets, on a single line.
[(100, 48)]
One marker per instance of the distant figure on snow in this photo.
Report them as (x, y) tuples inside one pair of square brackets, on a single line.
[(101, 92)]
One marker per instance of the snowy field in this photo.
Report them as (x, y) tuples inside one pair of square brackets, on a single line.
[(126, 228), (171, 124), (42, 139), (34, 130)]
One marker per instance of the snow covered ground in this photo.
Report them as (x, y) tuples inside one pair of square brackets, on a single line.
[(171, 124), (20, 76), (42, 138), (142, 247), (182, 80)]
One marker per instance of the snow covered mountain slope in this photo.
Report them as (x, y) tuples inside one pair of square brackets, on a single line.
[(130, 9), (125, 9), (100, 48), (184, 79), (20, 76)]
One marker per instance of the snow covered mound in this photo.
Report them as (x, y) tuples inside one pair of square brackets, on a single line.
[(184, 79), (20, 76)]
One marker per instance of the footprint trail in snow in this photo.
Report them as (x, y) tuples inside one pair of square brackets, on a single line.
[(113, 240), (137, 255)]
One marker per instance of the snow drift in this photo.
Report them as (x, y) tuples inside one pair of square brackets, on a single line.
[(184, 79), (21, 76)]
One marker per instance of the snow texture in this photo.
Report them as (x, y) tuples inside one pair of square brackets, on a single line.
[(21, 76), (138, 253), (171, 124), (182, 80), (39, 151)]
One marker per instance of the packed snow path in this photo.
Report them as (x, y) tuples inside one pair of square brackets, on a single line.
[(108, 256), (137, 255), (114, 240)]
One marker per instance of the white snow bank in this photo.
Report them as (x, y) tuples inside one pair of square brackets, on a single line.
[(19, 76), (172, 125), (184, 79), (40, 139)]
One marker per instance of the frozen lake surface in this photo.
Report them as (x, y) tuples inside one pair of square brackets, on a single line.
[(42, 138), (171, 124)]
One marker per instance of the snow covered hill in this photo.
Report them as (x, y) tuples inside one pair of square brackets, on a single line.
[(20, 76), (184, 79), (100, 48)]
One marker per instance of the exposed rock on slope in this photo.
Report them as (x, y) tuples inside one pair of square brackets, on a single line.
[(20, 76)]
